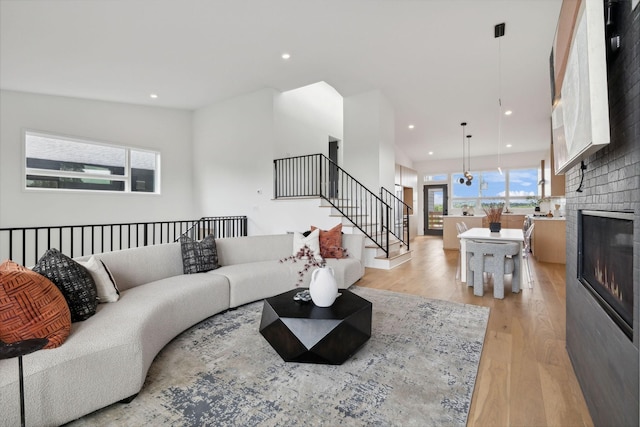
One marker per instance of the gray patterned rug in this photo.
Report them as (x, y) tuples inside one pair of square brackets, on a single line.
[(418, 368)]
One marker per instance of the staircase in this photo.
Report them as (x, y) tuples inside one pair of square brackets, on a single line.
[(383, 222)]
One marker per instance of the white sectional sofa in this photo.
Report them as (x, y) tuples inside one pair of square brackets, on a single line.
[(106, 357)]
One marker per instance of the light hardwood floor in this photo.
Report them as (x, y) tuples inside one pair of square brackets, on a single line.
[(525, 376)]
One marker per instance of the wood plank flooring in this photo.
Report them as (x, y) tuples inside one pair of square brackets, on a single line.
[(525, 377)]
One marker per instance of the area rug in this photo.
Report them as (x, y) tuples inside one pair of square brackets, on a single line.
[(418, 368)]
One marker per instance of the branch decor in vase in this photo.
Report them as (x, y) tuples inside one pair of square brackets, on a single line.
[(494, 214)]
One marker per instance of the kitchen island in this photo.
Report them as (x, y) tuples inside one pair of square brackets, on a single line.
[(548, 241)]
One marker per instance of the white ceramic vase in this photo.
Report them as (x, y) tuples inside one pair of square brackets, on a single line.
[(323, 287)]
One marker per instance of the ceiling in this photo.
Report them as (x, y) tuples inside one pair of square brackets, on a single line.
[(436, 61)]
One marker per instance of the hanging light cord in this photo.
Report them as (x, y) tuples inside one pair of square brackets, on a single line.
[(499, 104)]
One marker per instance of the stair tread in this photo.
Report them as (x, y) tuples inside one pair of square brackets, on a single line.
[(395, 255)]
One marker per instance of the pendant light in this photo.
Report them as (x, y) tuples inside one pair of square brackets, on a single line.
[(498, 32), (466, 157), (467, 174), (464, 164)]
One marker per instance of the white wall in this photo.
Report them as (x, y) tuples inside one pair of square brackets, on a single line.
[(369, 147), (215, 161), (235, 143), (232, 152), (160, 129), (305, 118), (403, 159)]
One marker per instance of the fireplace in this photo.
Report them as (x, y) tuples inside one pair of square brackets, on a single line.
[(605, 262)]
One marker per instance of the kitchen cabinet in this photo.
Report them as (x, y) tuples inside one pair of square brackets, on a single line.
[(507, 221), (557, 181), (548, 241)]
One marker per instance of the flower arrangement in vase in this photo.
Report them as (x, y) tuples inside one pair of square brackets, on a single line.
[(307, 255), (494, 214)]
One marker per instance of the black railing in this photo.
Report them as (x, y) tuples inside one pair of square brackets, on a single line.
[(400, 212), (316, 175), (25, 245)]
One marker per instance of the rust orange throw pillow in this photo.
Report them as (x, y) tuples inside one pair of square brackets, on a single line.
[(31, 306), (331, 242)]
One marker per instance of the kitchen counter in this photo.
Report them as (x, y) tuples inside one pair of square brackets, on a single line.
[(546, 218)]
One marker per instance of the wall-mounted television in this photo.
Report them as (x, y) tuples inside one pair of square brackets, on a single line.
[(578, 65)]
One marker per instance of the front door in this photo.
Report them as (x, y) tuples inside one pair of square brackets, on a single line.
[(436, 203)]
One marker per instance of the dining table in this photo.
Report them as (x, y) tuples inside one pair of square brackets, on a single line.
[(505, 235)]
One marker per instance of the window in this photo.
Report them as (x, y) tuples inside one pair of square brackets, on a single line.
[(441, 177), (523, 188), (61, 163), (517, 188)]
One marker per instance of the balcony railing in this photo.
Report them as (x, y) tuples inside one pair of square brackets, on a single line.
[(25, 245)]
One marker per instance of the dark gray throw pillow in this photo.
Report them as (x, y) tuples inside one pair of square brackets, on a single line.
[(200, 256), (73, 280)]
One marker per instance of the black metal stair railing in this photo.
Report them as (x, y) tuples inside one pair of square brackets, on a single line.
[(400, 212), (315, 175), (25, 245)]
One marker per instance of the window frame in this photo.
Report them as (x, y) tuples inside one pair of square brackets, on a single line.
[(125, 178), (480, 200)]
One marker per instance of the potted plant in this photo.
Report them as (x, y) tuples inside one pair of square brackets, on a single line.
[(494, 214)]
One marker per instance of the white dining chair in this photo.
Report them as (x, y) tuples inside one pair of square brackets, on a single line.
[(461, 227), (526, 252), (496, 259)]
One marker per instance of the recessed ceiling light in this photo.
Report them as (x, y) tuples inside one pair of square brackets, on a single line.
[(153, 95), (509, 145), (411, 126), (508, 113), (431, 153), (286, 55)]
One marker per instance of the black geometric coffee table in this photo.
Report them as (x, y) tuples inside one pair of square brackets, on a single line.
[(303, 332)]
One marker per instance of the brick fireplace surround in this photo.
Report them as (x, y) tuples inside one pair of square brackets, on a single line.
[(606, 362)]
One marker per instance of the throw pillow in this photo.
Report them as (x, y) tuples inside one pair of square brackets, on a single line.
[(311, 241), (331, 242), (105, 283), (31, 307), (73, 280), (200, 256)]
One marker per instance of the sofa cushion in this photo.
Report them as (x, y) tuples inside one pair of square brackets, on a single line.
[(105, 283), (241, 250), (331, 242), (73, 280), (257, 281), (31, 307), (312, 241), (138, 266), (198, 257)]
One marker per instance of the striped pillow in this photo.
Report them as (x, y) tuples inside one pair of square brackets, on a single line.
[(32, 307)]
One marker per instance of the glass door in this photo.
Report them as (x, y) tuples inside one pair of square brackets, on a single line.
[(436, 203)]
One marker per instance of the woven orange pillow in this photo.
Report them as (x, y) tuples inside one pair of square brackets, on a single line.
[(31, 306), (331, 242)]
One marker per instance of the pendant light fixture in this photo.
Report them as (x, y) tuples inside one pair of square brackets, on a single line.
[(466, 157), (498, 33), (464, 164), (467, 174)]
